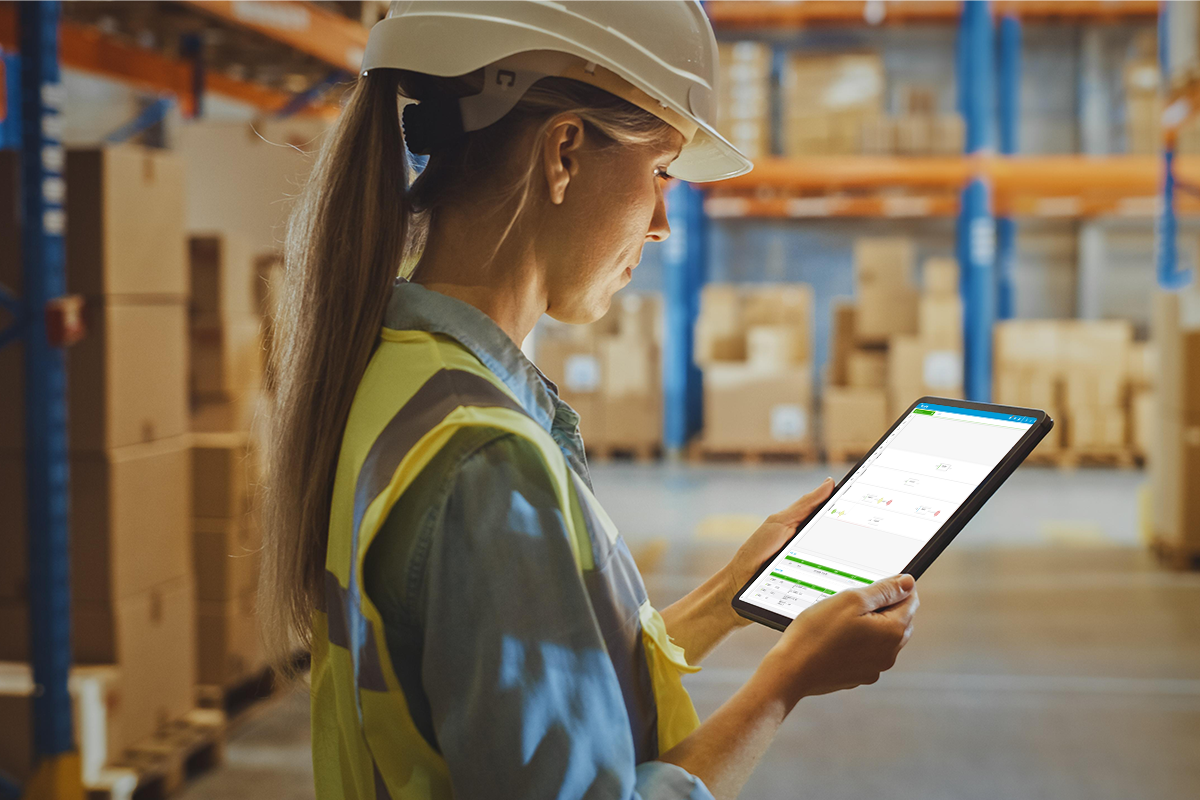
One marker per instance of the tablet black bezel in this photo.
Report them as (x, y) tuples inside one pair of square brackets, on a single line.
[(957, 521)]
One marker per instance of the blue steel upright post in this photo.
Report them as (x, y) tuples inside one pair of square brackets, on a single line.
[(1166, 255), (43, 189), (1009, 91), (976, 231), (683, 263)]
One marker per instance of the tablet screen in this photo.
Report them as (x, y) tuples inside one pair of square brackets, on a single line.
[(893, 504)]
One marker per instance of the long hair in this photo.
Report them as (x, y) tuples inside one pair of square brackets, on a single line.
[(356, 226)]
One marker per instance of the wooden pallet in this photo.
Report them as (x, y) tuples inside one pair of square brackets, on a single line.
[(1175, 555), (640, 453), (707, 453), (1120, 457), (239, 696), (181, 750)]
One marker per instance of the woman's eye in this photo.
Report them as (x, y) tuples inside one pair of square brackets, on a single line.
[(659, 172)]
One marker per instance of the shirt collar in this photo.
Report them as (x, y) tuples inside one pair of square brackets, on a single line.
[(413, 307)]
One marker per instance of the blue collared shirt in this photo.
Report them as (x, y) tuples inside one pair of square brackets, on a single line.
[(491, 632)]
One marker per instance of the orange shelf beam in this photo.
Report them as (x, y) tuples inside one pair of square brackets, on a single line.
[(330, 37), (89, 50), (1038, 175), (868, 186), (766, 14), (914, 206)]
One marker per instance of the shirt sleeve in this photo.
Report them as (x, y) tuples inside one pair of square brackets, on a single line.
[(524, 700)]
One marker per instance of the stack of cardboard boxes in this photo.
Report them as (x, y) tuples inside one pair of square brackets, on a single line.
[(754, 345), (1079, 371), (891, 346), (610, 373), (744, 97), (133, 603), (918, 130), (1095, 358), (828, 100), (226, 376), (1175, 444), (1143, 105)]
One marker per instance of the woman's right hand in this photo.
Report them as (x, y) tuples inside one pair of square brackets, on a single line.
[(843, 641)]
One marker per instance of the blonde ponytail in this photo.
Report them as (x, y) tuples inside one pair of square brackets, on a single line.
[(345, 242)]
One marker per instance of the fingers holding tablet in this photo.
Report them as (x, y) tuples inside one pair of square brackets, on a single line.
[(847, 640)]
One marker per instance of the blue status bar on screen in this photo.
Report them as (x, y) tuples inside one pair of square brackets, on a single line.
[(971, 412)]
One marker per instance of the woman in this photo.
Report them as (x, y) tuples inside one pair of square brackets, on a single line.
[(478, 628)]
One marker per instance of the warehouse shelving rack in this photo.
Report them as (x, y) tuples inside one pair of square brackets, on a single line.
[(35, 41), (984, 189)]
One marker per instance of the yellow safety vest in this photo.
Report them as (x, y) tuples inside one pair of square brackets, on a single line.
[(418, 390)]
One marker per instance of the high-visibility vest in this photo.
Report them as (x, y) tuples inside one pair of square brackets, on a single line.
[(418, 390)]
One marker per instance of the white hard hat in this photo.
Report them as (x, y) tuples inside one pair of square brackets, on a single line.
[(660, 55)]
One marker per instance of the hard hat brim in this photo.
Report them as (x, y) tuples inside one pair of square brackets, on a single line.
[(417, 41)]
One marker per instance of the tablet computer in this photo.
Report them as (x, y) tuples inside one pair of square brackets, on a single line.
[(899, 507)]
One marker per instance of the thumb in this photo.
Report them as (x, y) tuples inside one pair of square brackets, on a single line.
[(886, 592), (800, 509)]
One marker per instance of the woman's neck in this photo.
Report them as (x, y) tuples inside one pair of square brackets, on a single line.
[(459, 261)]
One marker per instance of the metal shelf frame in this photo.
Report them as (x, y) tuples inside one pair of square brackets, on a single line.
[(57, 769), (974, 187)]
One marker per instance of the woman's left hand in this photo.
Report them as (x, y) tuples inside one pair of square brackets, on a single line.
[(770, 537)]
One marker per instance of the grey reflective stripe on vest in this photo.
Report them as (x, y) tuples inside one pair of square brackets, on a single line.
[(617, 593), (444, 391)]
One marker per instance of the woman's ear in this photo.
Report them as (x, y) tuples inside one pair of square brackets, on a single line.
[(561, 146)]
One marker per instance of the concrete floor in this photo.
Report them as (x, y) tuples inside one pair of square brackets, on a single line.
[(1051, 659)]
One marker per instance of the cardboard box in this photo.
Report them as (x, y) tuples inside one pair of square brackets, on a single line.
[(1097, 344), (224, 280), (1142, 365), (156, 653), (224, 474), (226, 361), (853, 419), (634, 422), (720, 329), (1026, 386), (149, 636), (949, 135), (245, 412), (129, 520), (630, 367), (867, 369), (1175, 479), (227, 557), (1095, 386), (125, 222), (229, 646), (126, 381), (915, 370), (939, 277), (940, 322), (885, 260), (885, 311), (1141, 421), (878, 136), (1028, 342), (639, 316), (842, 341), (749, 409), (914, 135), (1094, 426), (773, 347)]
